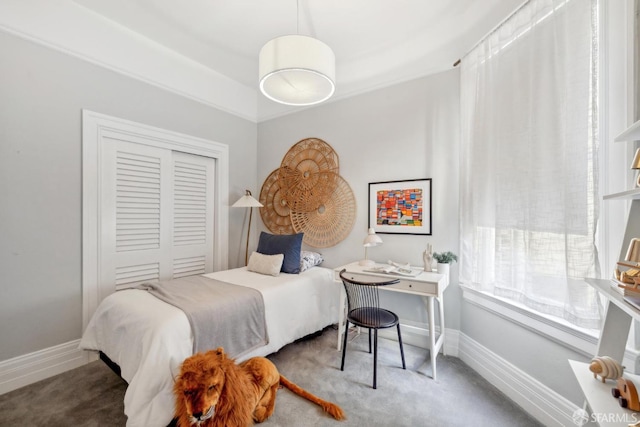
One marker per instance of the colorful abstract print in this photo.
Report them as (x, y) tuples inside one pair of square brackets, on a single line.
[(399, 207)]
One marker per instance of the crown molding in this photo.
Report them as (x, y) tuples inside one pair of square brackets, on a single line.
[(77, 31)]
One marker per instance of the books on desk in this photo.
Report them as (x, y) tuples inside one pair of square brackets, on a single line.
[(395, 271)]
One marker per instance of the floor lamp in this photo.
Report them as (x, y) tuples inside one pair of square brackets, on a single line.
[(247, 201)]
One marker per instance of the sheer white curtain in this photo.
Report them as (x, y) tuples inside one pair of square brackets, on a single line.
[(529, 194)]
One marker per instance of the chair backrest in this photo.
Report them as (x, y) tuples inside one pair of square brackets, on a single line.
[(363, 298)]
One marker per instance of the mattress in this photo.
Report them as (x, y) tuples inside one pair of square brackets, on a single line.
[(149, 338)]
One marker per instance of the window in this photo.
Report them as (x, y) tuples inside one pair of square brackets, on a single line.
[(529, 162)]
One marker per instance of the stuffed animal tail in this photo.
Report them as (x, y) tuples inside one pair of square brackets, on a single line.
[(334, 410)]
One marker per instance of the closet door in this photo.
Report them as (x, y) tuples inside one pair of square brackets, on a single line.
[(136, 223), (193, 210), (157, 215)]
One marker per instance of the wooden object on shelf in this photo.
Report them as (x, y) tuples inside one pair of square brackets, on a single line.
[(626, 393), (606, 367)]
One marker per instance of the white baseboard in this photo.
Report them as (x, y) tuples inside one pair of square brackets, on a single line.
[(30, 368), (547, 406)]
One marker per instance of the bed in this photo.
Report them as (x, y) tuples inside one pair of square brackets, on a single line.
[(148, 338)]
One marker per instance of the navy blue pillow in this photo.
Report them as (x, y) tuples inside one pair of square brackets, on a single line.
[(289, 245)]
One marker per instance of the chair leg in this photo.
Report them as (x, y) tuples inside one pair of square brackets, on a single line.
[(344, 344), (375, 358), (369, 340), (401, 348)]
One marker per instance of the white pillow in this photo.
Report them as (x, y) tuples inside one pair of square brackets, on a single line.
[(265, 264), (309, 259)]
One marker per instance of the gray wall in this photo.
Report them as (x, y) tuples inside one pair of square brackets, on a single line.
[(42, 93), (407, 131)]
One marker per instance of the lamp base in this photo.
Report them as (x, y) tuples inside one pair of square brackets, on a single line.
[(367, 263)]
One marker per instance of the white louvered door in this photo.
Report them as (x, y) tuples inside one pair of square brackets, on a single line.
[(192, 214), (157, 208)]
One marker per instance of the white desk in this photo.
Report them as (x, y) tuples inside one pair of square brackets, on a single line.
[(430, 286)]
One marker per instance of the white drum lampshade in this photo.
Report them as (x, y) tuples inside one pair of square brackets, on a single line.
[(297, 70)]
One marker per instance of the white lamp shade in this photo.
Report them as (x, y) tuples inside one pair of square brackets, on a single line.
[(372, 239), (247, 201), (297, 70)]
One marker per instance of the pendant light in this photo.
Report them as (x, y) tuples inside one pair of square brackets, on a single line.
[(297, 70)]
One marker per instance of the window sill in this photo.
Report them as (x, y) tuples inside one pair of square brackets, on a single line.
[(578, 339)]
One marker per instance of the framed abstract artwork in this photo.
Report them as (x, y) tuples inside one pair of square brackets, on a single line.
[(400, 207)]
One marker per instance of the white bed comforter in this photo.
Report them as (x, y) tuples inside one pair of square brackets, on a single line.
[(149, 338)]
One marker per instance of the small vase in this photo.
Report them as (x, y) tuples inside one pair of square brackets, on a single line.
[(443, 269)]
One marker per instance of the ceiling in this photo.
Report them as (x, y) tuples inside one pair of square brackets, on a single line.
[(376, 42)]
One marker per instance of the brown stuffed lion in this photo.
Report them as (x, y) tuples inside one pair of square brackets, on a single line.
[(213, 391)]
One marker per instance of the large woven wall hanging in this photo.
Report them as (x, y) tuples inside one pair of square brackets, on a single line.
[(307, 195), (275, 210), (331, 222), (308, 172)]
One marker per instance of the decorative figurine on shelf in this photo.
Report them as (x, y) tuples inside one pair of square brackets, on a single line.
[(631, 262), (606, 367), (626, 393), (427, 256)]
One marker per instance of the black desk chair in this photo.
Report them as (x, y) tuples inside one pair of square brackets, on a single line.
[(364, 311)]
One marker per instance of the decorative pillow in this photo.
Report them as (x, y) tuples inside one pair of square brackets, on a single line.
[(265, 264), (289, 245), (309, 259)]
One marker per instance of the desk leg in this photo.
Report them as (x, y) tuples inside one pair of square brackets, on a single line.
[(432, 336), (441, 337)]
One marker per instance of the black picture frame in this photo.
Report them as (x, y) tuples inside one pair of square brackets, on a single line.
[(401, 207)]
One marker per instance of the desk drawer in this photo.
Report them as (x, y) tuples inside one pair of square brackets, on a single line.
[(405, 285), (417, 287)]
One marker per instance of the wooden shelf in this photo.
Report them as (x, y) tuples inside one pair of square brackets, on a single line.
[(603, 405), (632, 133), (628, 194)]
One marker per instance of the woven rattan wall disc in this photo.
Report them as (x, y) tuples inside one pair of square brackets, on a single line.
[(274, 210), (308, 174), (331, 222)]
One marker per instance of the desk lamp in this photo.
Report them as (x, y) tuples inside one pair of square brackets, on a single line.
[(372, 239)]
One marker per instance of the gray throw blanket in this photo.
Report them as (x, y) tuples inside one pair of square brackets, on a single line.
[(220, 314)]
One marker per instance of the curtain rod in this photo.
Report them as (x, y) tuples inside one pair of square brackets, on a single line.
[(493, 30)]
